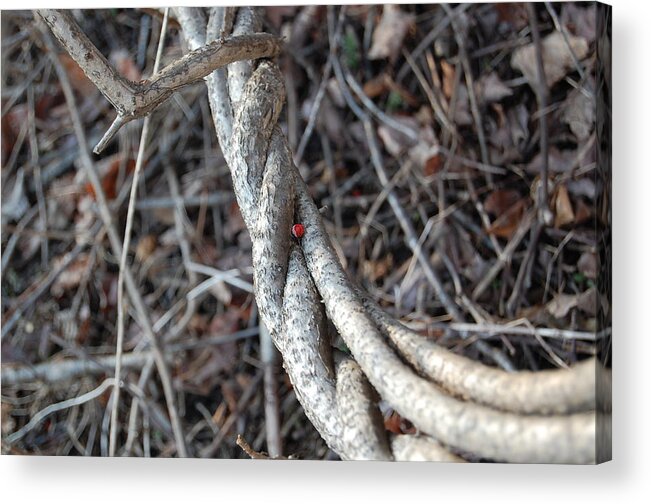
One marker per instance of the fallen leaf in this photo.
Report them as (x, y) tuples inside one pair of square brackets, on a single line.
[(490, 88), (579, 21), (514, 14), (378, 269), (561, 305), (587, 301), (392, 423), (500, 200), (395, 141), (583, 212), (111, 170), (398, 425), (564, 214), (72, 276), (46, 103), (376, 86), (556, 55), (579, 114), (390, 33), (146, 246), (507, 223), (433, 165), (426, 147), (587, 264)]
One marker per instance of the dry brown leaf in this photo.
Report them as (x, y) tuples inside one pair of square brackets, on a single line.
[(396, 142), (564, 213), (561, 305), (448, 78), (514, 14), (490, 88), (378, 269), (507, 224), (377, 86), (580, 21), (111, 168), (72, 276), (557, 58), (433, 165), (587, 301), (146, 246), (583, 212), (500, 200), (426, 147), (390, 32), (587, 264), (579, 114)]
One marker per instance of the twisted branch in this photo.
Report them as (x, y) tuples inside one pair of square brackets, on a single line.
[(456, 403)]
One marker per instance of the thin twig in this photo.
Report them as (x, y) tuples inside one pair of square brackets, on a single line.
[(26, 300), (470, 85), (505, 256), (53, 408), (123, 258), (511, 328), (542, 94), (116, 244), (523, 280)]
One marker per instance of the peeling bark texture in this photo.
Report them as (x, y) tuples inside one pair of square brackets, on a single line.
[(457, 405)]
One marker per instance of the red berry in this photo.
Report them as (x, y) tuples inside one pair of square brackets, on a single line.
[(298, 230)]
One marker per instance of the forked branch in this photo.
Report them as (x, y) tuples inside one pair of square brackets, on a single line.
[(137, 99)]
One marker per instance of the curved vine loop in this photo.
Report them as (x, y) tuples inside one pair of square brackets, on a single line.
[(458, 405)]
